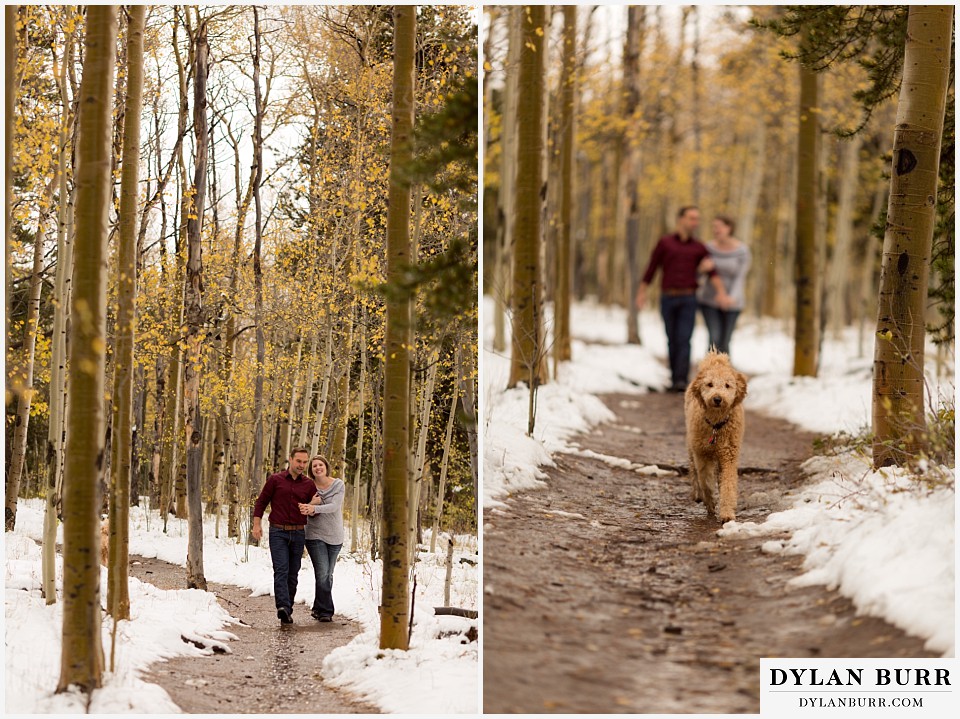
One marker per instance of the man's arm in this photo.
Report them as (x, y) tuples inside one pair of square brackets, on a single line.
[(656, 258), (266, 494)]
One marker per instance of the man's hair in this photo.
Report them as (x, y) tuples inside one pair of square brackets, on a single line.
[(298, 450), (728, 221), (684, 210)]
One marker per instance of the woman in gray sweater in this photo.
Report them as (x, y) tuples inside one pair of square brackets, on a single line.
[(731, 258), (324, 533)]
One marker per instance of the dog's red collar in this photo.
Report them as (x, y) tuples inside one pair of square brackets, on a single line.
[(716, 428)]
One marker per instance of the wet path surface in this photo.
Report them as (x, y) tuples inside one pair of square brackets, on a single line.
[(609, 591), (272, 669)]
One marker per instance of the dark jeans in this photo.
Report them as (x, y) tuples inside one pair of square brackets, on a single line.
[(720, 324), (679, 316), (324, 558), (286, 551)]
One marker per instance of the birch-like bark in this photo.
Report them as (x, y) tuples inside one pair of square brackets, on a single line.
[(258, 468), (82, 649), (806, 330), (118, 595), (508, 173), (630, 173), (55, 430), (568, 92), (527, 350), (395, 604), (420, 456), (899, 423), (194, 317)]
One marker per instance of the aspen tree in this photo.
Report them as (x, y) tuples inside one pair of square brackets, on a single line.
[(194, 315), (395, 607), (258, 468), (806, 332), (506, 201), (62, 282), (118, 597), (527, 351), (629, 175), (568, 92), (82, 652), (898, 390)]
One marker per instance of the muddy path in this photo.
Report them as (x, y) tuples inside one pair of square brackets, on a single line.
[(272, 669), (609, 591)]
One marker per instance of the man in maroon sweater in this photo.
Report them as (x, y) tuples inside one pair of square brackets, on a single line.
[(680, 256), (284, 492)]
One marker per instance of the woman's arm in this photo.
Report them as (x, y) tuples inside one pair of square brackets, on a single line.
[(333, 503)]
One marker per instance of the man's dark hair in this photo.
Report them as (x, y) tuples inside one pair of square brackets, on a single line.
[(298, 450), (684, 210), (728, 221)]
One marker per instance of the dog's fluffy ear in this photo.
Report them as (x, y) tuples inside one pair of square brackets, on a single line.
[(695, 388), (741, 387)]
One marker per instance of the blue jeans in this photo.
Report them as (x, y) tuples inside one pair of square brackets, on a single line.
[(679, 315), (720, 324), (324, 558), (286, 551)]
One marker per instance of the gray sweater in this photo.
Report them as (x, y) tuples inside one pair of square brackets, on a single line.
[(732, 268), (326, 524)]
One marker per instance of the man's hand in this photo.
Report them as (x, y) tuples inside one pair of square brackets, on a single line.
[(306, 508), (257, 531), (725, 301), (641, 299)]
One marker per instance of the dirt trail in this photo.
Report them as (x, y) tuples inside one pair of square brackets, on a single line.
[(639, 606), (272, 669)]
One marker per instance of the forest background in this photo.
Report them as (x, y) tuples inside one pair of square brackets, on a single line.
[(782, 118)]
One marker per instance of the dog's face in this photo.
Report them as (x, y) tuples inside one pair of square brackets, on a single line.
[(719, 386)]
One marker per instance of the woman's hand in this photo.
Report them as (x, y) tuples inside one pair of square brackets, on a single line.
[(706, 265), (306, 509)]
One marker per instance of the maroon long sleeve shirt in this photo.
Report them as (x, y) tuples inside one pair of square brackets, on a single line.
[(283, 493), (679, 260)]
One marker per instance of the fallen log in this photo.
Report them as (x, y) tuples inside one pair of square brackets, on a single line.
[(456, 612)]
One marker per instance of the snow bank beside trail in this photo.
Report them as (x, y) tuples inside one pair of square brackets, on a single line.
[(34, 641), (565, 406), (883, 539)]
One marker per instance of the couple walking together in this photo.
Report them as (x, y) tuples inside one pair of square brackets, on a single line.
[(683, 258), (306, 509)]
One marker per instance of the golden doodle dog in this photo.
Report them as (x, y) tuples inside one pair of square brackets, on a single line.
[(713, 407)]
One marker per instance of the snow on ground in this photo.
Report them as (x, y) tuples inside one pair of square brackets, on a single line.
[(437, 675), (881, 538), (884, 539)]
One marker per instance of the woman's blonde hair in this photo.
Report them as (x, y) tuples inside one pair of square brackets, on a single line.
[(322, 459)]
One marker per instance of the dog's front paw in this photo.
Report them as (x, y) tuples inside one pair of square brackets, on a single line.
[(727, 517)]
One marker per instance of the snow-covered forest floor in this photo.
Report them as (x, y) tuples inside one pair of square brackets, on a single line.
[(438, 674)]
